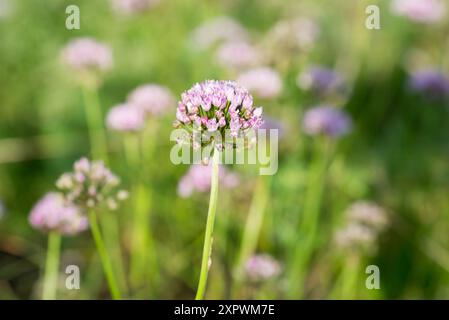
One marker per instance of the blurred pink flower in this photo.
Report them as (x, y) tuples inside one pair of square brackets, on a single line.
[(152, 99), (87, 54), (198, 178), (262, 267), (238, 54), (128, 7), (299, 33), (262, 82), (125, 117), (423, 11), (217, 30), (53, 213)]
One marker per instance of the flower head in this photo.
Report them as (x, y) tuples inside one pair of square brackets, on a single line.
[(54, 213), (217, 30), (198, 179), (326, 120), (217, 106), (125, 117), (128, 7), (90, 184), (421, 11), (86, 54), (365, 222), (152, 99), (432, 83), (238, 54), (262, 82), (320, 80), (262, 267)]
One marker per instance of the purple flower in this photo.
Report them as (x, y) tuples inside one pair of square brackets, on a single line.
[(262, 267), (238, 54), (125, 117), (128, 7), (90, 184), (152, 99), (320, 80), (218, 30), (262, 82), (198, 179), (422, 11), (86, 54), (326, 120), (53, 213), (217, 105), (434, 84)]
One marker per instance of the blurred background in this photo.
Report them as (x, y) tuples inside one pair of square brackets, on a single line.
[(294, 235)]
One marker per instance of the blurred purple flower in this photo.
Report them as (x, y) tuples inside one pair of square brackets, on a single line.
[(215, 105), (262, 82), (125, 117), (434, 84), (274, 124), (90, 184), (128, 7), (198, 179), (218, 30), (152, 99), (326, 120), (320, 80), (262, 267), (238, 54), (53, 213), (86, 54), (423, 11)]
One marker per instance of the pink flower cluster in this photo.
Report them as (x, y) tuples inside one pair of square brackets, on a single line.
[(129, 7), (142, 102), (91, 184), (366, 221), (125, 117), (54, 213), (217, 30), (262, 267), (86, 54), (238, 54), (218, 106), (263, 82), (422, 11), (198, 178)]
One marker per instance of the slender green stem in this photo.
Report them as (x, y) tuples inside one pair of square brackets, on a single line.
[(94, 118), (52, 266), (254, 221), (207, 249), (349, 277), (310, 217), (104, 257)]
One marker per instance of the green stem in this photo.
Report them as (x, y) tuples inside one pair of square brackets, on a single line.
[(94, 118), (104, 257), (254, 221), (52, 266), (207, 249), (349, 278), (310, 217)]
